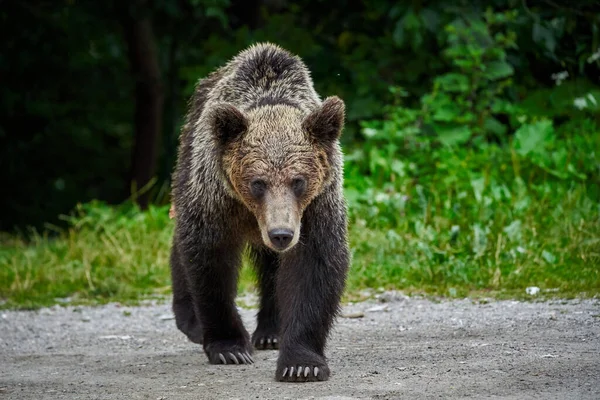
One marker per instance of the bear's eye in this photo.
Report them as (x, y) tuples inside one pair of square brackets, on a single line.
[(258, 188), (298, 186)]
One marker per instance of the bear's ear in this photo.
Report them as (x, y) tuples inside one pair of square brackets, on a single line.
[(228, 123), (324, 125)]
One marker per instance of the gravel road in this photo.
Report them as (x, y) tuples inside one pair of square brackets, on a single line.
[(401, 348)]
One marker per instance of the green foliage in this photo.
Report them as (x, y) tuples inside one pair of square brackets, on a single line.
[(463, 100), (448, 198), (573, 98), (450, 219), (471, 140), (538, 143)]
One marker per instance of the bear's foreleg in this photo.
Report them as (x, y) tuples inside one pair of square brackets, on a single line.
[(211, 271), (310, 283)]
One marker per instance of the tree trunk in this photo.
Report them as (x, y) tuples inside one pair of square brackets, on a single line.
[(145, 69)]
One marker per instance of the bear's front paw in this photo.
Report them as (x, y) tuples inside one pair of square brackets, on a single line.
[(265, 339), (228, 352), (304, 369)]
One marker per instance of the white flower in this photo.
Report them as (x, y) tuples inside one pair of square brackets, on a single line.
[(580, 103), (559, 77), (594, 56), (369, 132), (532, 290)]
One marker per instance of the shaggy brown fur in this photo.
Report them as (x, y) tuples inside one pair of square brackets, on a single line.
[(260, 165)]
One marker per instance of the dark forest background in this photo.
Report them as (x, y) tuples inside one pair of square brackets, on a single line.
[(93, 92)]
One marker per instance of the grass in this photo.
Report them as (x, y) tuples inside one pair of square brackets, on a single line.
[(555, 248), (105, 254), (483, 221)]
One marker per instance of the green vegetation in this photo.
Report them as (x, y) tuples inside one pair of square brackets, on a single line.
[(472, 150), (452, 221), (439, 220), (448, 199), (106, 253)]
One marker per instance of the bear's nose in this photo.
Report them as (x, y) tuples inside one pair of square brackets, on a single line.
[(281, 238)]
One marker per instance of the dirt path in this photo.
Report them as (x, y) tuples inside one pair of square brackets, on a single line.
[(405, 348)]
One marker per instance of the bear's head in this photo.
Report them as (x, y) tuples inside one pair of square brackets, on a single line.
[(276, 161)]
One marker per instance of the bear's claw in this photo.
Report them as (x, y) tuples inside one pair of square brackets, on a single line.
[(229, 352), (266, 342), (302, 373), (241, 358)]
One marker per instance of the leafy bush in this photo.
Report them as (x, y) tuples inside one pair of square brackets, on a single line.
[(447, 196), (478, 219)]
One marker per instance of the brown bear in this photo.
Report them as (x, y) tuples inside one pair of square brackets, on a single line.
[(260, 167)]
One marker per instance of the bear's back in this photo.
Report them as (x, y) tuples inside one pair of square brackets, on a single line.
[(265, 74)]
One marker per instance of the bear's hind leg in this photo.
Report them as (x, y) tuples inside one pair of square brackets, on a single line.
[(183, 307), (266, 335)]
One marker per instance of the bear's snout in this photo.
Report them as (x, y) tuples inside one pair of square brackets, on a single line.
[(281, 238)]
